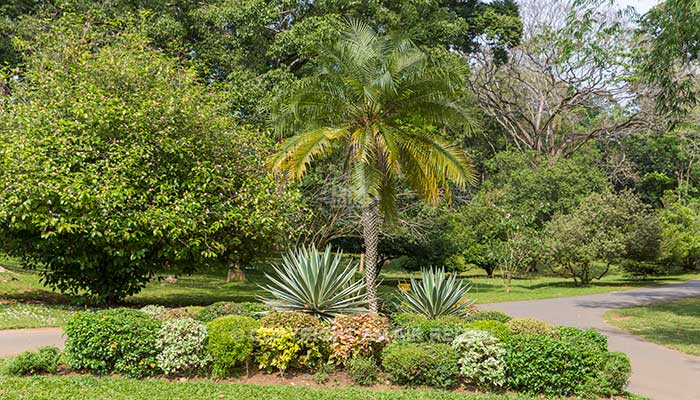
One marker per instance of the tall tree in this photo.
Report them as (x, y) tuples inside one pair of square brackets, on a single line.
[(379, 97), (567, 83)]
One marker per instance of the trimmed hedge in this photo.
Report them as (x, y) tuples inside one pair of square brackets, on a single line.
[(223, 308), (576, 363), (431, 364), (496, 328), (230, 342), (118, 340), (531, 326), (491, 315)]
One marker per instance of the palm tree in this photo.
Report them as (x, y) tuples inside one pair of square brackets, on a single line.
[(379, 97)]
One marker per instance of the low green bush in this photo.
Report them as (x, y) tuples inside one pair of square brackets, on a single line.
[(364, 370), (614, 374), (358, 334), (418, 328), (182, 345), (643, 269), (491, 315), (45, 360), (291, 319), (230, 342), (431, 364), (496, 328), (481, 358), (117, 340), (223, 308), (576, 363), (531, 326)]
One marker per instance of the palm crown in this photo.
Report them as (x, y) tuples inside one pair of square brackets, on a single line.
[(370, 94)]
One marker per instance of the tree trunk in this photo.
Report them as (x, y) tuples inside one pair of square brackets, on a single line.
[(236, 273), (370, 234)]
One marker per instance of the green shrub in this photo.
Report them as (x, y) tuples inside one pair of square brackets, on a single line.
[(531, 326), (589, 340), (222, 308), (419, 328), (496, 328), (364, 370), (182, 345), (181, 312), (481, 358), (284, 347), (542, 364), (359, 334), (291, 319), (436, 294), (118, 340), (643, 269), (230, 342), (322, 374), (491, 315), (431, 364), (613, 375), (34, 362)]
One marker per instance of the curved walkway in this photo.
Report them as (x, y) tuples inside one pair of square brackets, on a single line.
[(15, 341), (658, 372)]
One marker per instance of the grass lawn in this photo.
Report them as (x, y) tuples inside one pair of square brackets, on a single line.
[(89, 388), (675, 324), (32, 315), (209, 287)]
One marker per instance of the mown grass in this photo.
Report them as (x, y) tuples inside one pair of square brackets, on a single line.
[(209, 287), (20, 315), (89, 388), (674, 324)]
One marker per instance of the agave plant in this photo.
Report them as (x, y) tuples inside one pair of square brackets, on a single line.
[(315, 283), (436, 295)]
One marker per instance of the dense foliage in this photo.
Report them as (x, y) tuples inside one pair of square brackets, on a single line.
[(118, 340), (133, 170), (230, 342)]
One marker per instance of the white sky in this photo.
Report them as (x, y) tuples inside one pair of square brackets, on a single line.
[(642, 6)]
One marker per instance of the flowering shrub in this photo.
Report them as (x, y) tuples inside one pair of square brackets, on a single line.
[(119, 340), (359, 334), (481, 358), (182, 345), (230, 342)]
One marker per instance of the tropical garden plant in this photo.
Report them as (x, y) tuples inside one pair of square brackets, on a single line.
[(315, 283), (435, 295), (384, 100)]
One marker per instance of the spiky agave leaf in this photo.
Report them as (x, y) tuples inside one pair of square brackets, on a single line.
[(436, 295), (314, 283)]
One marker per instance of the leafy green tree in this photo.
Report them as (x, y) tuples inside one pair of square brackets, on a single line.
[(532, 190), (604, 228), (671, 35), (116, 163), (680, 222), (377, 97)]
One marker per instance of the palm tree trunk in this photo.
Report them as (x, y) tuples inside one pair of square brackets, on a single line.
[(370, 234)]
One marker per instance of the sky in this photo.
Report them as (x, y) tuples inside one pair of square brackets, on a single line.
[(642, 6)]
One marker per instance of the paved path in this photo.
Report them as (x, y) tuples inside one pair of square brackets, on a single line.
[(657, 372), (15, 341)]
